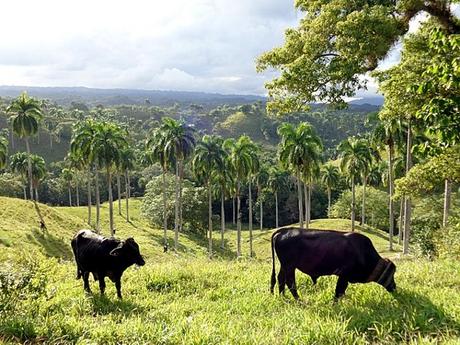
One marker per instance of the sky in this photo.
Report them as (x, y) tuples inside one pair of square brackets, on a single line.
[(187, 45)]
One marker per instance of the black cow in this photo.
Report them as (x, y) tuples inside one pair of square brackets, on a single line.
[(349, 255), (104, 257)]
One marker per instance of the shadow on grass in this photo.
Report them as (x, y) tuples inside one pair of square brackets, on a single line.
[(410, 315), (102, 305), (52, 245)]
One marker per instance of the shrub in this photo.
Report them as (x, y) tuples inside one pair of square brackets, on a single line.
[(194, 204)]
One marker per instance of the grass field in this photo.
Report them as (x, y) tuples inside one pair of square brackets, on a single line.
[(186, 298)]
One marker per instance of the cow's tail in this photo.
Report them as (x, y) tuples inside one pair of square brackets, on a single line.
[(75, 249), (273, 280)]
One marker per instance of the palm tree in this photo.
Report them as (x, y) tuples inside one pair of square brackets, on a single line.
[(179, 143), (68, 176), (207, 160), (261, 181), (330, 178), (19, 164), (354, 157), (224, 177), (127, 164), (76, 163), (365, 170), (26, 120), (3, 152), (81, 145), (38, 172), (108, 142), (156, 145), (277, 180), (240, 158), (389, 133), (298, 149)]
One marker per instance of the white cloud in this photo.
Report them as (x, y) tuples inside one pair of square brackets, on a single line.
[(207, 45)]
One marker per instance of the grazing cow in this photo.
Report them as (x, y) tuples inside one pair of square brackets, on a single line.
[(104, 257), (349, 255)]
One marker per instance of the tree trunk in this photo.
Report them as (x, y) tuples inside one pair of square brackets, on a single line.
[(222, 218), (109, 186), (51, 140), (77, 193), (407, 205), (69, 189), (209, 219), (29, 169), (261, 210), (238, 221), (328, 202), (310, 187), (353, 203), (401, 221), (98, 203), (24, 189), (233, 211), (119, 192), (12, 138), (89, 195), (181, 177), (36, 194), (250, 217), (363, 209), (276, 209), (390, 203), (305, 196), (299, 195), (127, 193), (447, 199), (176, 209), (165, 216)]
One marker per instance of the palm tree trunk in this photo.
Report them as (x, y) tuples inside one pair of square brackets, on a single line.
[(363, 209), (238, 221), (181, 177), (24, 188), (328, 201), (407, 205), (250, 217), (176, 209), (70, 195), (305, 196), (261, 209), (77, 193), (390, 202), (98, 202), (109, 186), (89, 195), (36, 194), (119, 192), (12, 138), (233, 211), (353, 203), (51, 140), (276, 209), (29, 169), (310, 186), (299, 195), (165, 217), (447, 199), (127, 193), (401, 221), (209, 219), (222, 218)]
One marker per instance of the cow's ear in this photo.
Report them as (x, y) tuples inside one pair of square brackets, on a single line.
[(116, 251)]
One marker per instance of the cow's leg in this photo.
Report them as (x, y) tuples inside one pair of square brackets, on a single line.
[(86, 282), (290, 280), (118, 286), (281, 280), (101, 283), (340, 288)]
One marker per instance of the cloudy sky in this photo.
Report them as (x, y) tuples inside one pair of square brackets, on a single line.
[(192, 45)]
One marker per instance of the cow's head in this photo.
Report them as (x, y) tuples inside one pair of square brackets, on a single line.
[(387, 277), (129, 251)]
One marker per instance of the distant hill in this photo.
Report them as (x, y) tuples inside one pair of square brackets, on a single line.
[(110, 97)]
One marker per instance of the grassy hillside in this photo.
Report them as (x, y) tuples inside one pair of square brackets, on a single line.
[(186, 298)]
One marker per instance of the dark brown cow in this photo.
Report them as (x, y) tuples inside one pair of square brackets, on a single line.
[(104, 257), (348, 255)]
